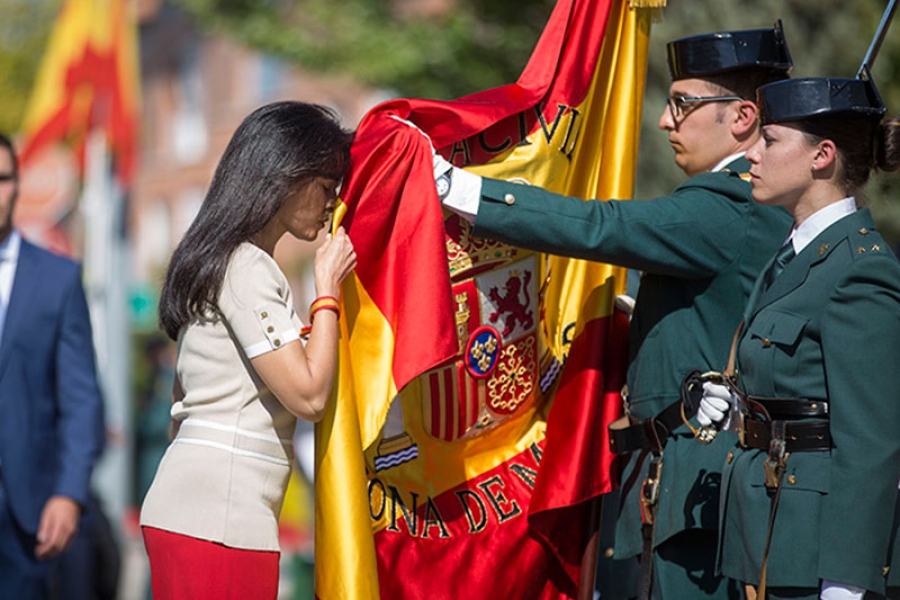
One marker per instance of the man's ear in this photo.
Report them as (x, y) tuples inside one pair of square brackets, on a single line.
[(745, 120)]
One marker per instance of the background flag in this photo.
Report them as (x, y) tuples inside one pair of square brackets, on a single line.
[(88, 79), (437, 464), (86, 95)]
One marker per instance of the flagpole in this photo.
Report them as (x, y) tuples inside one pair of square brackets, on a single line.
[(102, 209), (589, 557), (878, 38)]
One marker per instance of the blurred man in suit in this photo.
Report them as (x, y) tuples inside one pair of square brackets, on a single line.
[(51, 411)]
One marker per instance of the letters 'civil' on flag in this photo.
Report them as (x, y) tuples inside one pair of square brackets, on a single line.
[(88, 79), (438, 471)]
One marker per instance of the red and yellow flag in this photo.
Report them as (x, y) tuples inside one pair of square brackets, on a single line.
[(88, 79), (466, 439)]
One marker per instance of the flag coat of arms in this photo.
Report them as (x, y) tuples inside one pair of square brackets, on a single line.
[(466, 440)]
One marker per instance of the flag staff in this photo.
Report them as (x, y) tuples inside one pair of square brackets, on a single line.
[(591, 551), (878, 38)]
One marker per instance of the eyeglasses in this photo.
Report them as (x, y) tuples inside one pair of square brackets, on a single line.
[(677, 103), (6, 177)]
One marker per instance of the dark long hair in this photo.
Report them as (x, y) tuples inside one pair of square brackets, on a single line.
[(275, 150), (863, 143)]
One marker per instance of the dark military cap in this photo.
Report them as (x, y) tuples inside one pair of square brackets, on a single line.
[(714, 53), (796, 99)]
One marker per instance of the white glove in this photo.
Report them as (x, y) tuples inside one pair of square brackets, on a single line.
[(715, 405), (839, 591), (625, 303)]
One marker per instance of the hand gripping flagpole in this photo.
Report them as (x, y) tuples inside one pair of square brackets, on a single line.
[(875, 46)]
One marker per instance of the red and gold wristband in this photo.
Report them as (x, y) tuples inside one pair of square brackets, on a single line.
[(324, 303)]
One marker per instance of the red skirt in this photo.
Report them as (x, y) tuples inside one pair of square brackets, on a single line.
[(187, 568)]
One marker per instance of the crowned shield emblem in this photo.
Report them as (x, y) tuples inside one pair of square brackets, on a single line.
[(495, 375)]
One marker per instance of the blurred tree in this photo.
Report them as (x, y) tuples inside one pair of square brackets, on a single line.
[(826, 38), (448, 48), (441, 49), (24, 29), (477, 44)]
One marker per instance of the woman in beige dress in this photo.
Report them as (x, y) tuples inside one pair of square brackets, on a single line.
[(210, 517)]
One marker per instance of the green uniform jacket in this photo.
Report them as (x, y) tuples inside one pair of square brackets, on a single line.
[(700, 249), (828, 328)]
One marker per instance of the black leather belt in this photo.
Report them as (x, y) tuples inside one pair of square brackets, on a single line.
[(629, 434), (799, 436), (790, 408)]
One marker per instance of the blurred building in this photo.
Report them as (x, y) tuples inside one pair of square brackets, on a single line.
[(196, 90)]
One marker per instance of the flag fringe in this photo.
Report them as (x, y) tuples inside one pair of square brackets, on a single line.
[(647, 3)]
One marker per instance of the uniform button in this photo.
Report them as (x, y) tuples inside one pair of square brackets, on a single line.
[(270, 329), (766, 342), (864, 231), (730, 456), (277, 343), (509, 199), (792, 479), (609, 552), (264, 315)]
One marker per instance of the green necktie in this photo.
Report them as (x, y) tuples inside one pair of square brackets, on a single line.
[(784, 256)]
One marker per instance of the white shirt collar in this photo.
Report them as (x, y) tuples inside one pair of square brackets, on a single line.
[(819, 221), (9, 257), (9, 248), (726, 161)]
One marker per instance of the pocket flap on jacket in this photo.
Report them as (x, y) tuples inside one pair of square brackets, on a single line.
[(777, 326)]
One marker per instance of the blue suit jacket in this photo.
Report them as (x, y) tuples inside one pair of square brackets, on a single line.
[(51, 411)]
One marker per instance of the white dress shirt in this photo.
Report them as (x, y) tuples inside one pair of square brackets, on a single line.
[(819, 221), (9, 257)]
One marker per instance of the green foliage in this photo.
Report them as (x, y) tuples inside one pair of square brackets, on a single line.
[(24, 29), (481, 44), (478, 45), (827, 38)]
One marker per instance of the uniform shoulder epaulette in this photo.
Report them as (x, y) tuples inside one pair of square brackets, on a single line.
[(744, 176), (861, 244)]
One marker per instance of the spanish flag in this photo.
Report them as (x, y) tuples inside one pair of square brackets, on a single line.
[(465, 443), (88, 79)]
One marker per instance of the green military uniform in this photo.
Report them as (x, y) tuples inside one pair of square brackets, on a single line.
[(827, 329), (700, 249)]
